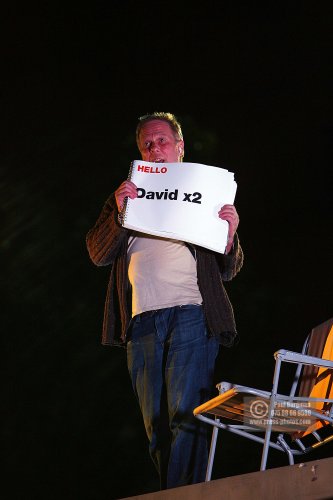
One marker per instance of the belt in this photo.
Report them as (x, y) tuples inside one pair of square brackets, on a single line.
[(148, 314)]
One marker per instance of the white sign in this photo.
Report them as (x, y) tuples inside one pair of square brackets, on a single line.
[(180, 201)]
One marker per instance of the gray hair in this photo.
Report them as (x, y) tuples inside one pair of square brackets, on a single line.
[(158, 115)]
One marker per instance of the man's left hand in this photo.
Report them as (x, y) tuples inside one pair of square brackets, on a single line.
[(229, 213)]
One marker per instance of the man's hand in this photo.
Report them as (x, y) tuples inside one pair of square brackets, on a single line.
[(229, 213), (127, 188)]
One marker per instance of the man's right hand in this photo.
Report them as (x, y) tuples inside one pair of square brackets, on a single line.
[(127, 188)]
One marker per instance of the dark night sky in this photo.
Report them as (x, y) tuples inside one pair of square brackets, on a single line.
[(252, 86)]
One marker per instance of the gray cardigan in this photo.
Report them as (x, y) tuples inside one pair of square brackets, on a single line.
[(107, 243)]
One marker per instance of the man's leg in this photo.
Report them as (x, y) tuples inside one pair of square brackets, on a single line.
[(145, 360), (189, 375)]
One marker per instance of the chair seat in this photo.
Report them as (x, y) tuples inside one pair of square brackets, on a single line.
[(251, 407)]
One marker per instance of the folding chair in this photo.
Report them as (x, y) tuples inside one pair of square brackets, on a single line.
[(303, 419)]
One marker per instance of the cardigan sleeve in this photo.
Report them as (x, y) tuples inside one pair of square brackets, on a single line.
[(232, 263), (103, 240)]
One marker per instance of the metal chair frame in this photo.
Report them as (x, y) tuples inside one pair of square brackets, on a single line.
[(228, 390)]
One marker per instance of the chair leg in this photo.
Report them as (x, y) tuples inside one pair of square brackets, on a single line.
[(212, 451), (286, 449), (270, 414)]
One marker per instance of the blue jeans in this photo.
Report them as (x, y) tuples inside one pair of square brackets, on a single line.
[(171, 363)]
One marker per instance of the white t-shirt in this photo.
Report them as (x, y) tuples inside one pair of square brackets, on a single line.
[(162, 273)]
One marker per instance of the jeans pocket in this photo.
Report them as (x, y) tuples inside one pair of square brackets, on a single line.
[(141, 328)]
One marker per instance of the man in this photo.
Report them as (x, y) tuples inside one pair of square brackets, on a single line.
[(174, 314)]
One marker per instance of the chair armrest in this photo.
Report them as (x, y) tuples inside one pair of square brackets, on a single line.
[(304, 359)]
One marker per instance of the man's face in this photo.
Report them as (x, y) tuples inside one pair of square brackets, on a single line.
[(157, 143)]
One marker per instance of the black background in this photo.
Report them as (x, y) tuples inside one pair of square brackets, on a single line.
[(252, 87)]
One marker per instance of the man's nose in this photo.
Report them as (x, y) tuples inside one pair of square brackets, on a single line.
[(153, 147)]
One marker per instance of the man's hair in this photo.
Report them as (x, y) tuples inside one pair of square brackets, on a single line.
[(165, 117)]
